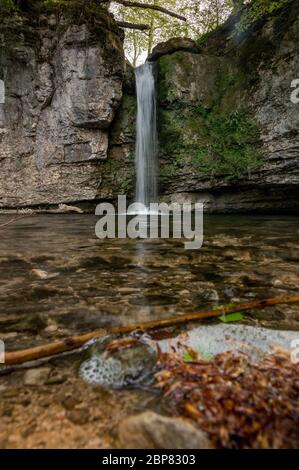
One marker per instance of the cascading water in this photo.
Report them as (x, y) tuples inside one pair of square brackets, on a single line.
[(146, 143)]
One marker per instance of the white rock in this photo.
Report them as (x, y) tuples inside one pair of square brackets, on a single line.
[(35, 377)]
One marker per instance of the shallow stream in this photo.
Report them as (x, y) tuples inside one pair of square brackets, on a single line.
[(57, 279)]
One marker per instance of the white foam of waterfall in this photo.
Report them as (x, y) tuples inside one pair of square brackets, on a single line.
[(146, 139)]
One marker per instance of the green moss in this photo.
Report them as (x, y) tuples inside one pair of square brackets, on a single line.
[(165, 70), (233, 146), (8, 7), (255, 11), (295, 25), (121, 174), (228, 88), (125, 121), (208, 142), (77, 11), (216, 136), (203, 38)]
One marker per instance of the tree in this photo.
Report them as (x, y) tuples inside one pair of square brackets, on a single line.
[(208, 15), (202, 16), (144, 5), (148, 22)]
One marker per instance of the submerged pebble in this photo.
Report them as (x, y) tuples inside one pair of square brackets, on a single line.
[(118, 369)]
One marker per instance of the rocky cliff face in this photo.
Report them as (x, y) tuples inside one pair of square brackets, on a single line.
[(63, 75), (228, 129), (229, 132)]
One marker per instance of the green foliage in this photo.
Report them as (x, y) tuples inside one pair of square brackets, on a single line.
[(187, 357), (296, 24), (232, 150), (231, 317), (209, 142), (79, 8), (201, 17), (203, 38), (161, 26), (122, 176), (256, 10), (215, 139), (205, 355), (8, 6)]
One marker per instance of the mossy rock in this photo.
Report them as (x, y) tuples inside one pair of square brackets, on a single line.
[(205, 127)]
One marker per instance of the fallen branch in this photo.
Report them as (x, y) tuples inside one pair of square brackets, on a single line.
[(76, 342), (145, 6), (125, 24)]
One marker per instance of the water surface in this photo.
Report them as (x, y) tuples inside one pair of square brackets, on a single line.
[(57, 278)]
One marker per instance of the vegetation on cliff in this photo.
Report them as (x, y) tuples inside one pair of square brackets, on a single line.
[(33, 12), (207, 118), (215, 138)]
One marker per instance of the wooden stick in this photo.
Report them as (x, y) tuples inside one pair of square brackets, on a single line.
[(127, 3), (76, 342), (140, 27)]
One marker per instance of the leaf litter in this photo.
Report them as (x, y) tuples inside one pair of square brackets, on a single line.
[(238, 402)]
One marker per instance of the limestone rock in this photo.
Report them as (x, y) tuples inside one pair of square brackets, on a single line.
[(150, 430), (63, 86), (171, 46), (243, 80), (67, 126), (36, 377)]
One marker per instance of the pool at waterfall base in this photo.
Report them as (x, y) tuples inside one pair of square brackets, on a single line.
[(59, 280)]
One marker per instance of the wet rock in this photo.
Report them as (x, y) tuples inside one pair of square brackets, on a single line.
[(229, 291), (184, 292), (154, 299), (211, 295), (128, 290), (11, 393), (43, 274), (51, 329), (118, 368), (70, 402), (79, 416), (36, 377), (152, 431), (64, 208), (7, 336), (29, 323), (276, 283), (56, 379)]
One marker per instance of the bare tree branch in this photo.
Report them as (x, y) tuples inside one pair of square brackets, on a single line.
[(76, 342), (125, 24), (127, 3)]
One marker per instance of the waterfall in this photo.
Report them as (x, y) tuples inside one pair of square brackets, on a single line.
[(146, 140)]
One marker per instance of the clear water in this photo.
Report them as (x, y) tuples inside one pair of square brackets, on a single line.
[(146, 138), (90, 283)]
